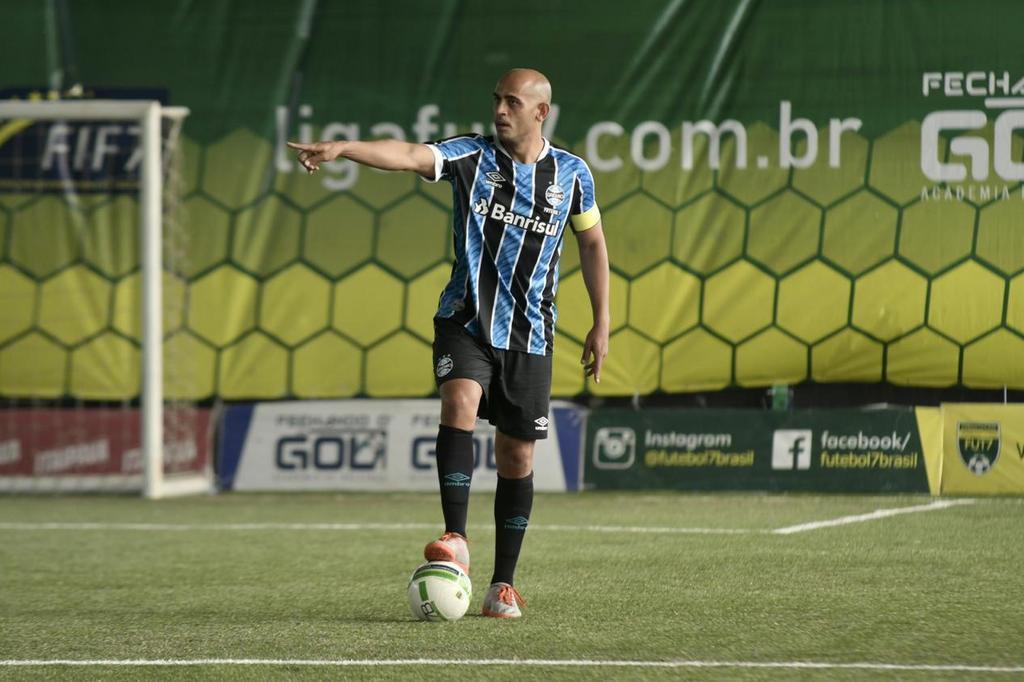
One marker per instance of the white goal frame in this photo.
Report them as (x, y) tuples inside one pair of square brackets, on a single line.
[(149, 115)]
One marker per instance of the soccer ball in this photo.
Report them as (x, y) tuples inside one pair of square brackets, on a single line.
[(439, 590)]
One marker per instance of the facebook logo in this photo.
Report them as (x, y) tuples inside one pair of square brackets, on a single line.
[(791, 449)]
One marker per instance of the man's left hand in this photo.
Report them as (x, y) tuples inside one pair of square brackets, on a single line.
[(595, 348)]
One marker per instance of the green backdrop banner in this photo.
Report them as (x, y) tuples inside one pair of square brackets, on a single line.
[(810, 450), (791, 191)]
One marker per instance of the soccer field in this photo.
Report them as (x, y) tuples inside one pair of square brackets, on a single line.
[(716, 587)]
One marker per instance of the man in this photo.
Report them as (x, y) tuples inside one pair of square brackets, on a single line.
[(514, 194)]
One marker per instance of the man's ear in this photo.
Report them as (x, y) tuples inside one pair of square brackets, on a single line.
[(543, 109)]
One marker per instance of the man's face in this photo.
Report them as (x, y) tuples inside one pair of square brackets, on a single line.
[(516, 110)]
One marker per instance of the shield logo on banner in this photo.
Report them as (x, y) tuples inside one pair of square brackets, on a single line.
[(979, 444)]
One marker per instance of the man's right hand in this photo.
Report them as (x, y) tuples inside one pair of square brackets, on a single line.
[(313, 154), (387, 155)]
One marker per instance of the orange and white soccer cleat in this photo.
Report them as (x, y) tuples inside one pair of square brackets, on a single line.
[(449, 547), (503, 601)]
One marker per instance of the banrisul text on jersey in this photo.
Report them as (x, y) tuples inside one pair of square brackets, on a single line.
[(509, 220)]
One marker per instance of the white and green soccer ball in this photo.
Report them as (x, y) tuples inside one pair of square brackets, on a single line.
[(439, 590)]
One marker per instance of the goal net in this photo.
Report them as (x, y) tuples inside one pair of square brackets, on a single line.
[(97, 391)]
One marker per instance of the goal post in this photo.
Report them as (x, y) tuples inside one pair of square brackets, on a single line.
[(150, 116)]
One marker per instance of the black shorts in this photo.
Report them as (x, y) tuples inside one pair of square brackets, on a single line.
[(517, 386)]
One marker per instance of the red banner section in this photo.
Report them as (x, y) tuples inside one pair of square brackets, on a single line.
[(101, 441)]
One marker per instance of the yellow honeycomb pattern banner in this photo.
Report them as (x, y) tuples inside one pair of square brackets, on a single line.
[(731, 277)]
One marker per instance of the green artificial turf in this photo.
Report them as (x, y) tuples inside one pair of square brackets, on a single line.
[(942, 587)]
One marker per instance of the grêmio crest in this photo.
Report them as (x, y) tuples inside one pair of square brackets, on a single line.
[(979, 444)]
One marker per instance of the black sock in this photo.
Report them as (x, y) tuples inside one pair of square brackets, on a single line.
[(513, 501), (454, 473)]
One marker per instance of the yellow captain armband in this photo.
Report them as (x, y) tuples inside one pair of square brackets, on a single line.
[(586, 220)]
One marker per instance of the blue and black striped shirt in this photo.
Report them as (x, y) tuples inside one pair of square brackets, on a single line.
[(509, 220)]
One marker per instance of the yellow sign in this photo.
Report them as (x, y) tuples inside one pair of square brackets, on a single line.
[(982, 449)]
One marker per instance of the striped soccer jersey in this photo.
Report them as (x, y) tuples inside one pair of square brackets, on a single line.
[(508, 220)]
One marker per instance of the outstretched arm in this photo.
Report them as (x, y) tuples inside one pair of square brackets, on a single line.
[(391, 155), (594, 263)]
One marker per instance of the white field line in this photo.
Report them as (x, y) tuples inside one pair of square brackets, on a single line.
[(355, 527), (215, 526), (541, 663), (664, 530), (871, 516), (654, 530)]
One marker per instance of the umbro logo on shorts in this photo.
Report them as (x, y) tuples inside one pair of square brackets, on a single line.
[(444, 365), (541, 424)]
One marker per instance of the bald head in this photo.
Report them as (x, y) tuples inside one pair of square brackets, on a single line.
[(522, 100), (527, 82)]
